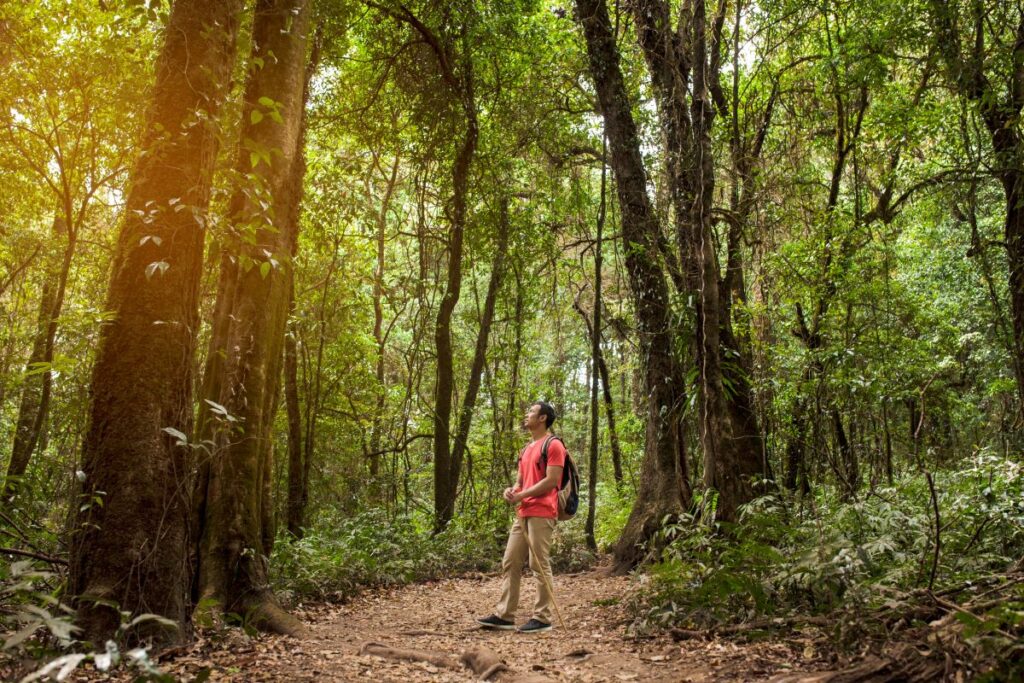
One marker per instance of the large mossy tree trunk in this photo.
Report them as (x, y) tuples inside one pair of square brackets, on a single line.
[(236, 529), (684, 64), (664, 488), (130, 541)]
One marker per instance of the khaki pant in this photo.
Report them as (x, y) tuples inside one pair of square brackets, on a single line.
[(540, 530)]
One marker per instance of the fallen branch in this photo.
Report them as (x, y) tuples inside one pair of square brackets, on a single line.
[(34, 556), (952, 607)]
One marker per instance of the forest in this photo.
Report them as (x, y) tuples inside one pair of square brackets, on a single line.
[(279, 280)]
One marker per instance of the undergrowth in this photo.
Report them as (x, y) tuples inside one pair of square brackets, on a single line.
[(36, 626), (849, 559), (340, 555)]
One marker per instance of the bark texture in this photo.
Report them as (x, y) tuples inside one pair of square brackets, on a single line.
[(685, 62), (236, 529), (664, 485), (131, 549)]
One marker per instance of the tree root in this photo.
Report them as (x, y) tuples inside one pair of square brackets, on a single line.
[(484, 662), (436, 658), (270, 617)]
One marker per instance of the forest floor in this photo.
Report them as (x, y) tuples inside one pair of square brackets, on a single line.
[(439, 617)]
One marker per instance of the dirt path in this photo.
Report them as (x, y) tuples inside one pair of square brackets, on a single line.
[(439, 617)]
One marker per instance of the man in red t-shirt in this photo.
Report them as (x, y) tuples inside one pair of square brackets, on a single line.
[(536, 494)]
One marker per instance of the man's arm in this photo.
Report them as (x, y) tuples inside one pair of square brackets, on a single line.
[(552, 476)]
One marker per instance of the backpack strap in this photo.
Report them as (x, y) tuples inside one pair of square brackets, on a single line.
[(544, 451)]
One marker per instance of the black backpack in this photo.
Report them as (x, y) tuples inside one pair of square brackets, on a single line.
[(569, 489)]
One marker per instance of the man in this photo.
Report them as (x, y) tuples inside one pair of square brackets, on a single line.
[(536, 494)]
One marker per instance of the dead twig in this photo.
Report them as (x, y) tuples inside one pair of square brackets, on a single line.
[(34, 556)]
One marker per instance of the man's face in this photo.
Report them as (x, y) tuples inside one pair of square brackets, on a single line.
[(533, 418)]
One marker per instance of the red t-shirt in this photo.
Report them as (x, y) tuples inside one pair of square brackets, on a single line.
[(530, 472)]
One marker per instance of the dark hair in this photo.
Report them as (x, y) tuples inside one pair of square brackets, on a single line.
[(548, 411)]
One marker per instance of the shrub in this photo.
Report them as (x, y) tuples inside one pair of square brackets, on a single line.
[(781, 559), (340, 555)]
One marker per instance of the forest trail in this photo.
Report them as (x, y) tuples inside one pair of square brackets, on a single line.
[(439, 617)]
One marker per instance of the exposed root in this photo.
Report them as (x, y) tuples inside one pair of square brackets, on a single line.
[(436, 658), (484, 662), (270, 617)]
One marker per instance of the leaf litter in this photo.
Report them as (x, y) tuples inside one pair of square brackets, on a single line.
[(438, 619)]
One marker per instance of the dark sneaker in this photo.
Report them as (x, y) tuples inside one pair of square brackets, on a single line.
[(534, 626), (494, 622)]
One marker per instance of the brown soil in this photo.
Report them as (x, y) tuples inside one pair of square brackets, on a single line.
[(439, 618)]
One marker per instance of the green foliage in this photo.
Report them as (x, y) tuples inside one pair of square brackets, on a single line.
[(613, 506), (569, 551), (339, 556), (41, 629), (784, 558)]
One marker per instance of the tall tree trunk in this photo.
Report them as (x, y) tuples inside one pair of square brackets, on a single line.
[(378, 332), (295, 505), (236, 530), (664, 483), (609, 406), (446, 467), (482, 337), (595, 356), (130, 542), (729, 435), (849, 468), (35, 395)]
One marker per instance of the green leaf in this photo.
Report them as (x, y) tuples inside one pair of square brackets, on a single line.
[(255, 116), (267, 102), (265, 269)]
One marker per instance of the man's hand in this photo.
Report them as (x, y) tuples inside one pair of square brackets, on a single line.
[(508, 494)]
